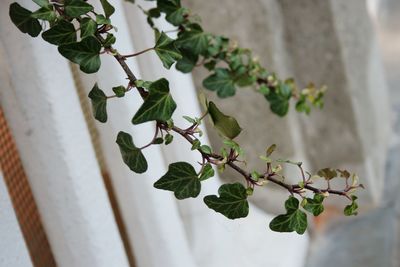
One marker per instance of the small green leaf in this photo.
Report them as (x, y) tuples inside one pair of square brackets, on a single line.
[(100, 19), (327, 173), (206, 149), (132, 156), (181, 179), (158, 141), (42, 3), (177, 17), (168, 6), (351, 209), (119, 91), (61, 33), (99, 103), (271, 149), (76, 8), (193, 39), (107, 7), (168, 139), (158, 105), (187, 62), (278, 104), (88, 27), (21, 17), (166, 50), (44, 13), (314, 205), (222, 82), (226, 125), (232, 201), (85, 53), (196, 144), (189, 119), (293, 220), (110, 40), (207, 172)]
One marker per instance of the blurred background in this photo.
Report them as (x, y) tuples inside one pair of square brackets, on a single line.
[(67, 199)]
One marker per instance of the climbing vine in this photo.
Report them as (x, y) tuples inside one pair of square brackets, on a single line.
[(82, 35)]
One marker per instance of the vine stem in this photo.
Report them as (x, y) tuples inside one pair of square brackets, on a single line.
[(295, 188), (138, 53)]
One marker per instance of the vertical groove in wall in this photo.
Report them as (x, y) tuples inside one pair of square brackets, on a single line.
[(22, 199), (94, 136)]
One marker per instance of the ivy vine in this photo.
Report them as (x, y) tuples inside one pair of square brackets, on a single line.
[(82, 35)]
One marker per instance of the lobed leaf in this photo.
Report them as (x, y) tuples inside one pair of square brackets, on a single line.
[(232, 201), (158, 105), (222, 82), (166, 50), (181, 179), (61, 33)]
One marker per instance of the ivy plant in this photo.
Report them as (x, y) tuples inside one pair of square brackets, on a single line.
[(82, 34)]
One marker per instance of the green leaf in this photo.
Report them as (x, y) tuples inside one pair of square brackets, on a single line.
[(168, 6), (270, 149), (132, 156), (42, 3), (232, 201), (168, 139), (293, 220), (193, 39), (100, 19), (61, 33), (222, 82), (166, 50), (351, 209), (110, 40), (187, 62), (21, 17), (278, 103), (99, 103), (76, 8), (181, 179), (85, 53), (207, 172), (44, 13), (314, 205), (206, 149), (225, 125), (196, 144), (88, 27), (158, 105), (177, 17), (108, 8), (119, 91), (327, 173)]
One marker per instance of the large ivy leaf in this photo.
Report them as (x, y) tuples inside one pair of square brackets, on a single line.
[(293, 220), (181, 179), (314, 205), (166, 50), (88, 27), (21, 17), (193, 39), (85, 53), (99, 103), (76, 8), (232, 201), (158, 105), (61, 33), (107, 7), (225, 125), (132, 156), (222, 82)]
